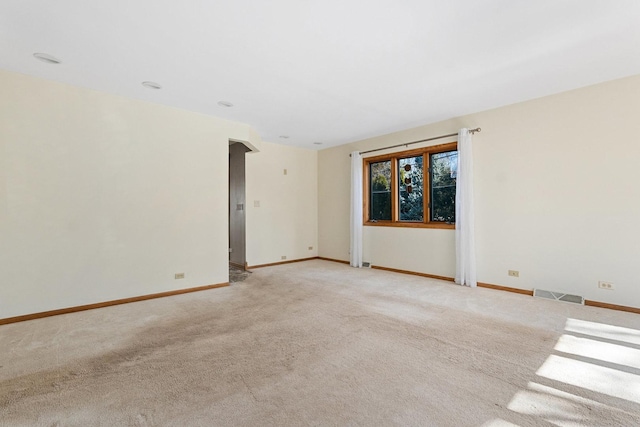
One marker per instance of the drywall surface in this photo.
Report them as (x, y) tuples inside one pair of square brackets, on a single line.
[(334, 191), (556, 193), (281, 209), (406, 248), (104, 197)]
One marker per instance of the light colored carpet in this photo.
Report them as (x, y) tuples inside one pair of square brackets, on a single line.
[(320, 343)]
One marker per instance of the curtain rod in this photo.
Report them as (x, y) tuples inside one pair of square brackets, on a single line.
[(415, 142)]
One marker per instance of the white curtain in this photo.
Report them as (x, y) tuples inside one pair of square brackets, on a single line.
[(465, 241), (356, 210)]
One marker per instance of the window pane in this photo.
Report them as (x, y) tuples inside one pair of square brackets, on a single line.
[(444, 168), (410, 182), (380, 196)]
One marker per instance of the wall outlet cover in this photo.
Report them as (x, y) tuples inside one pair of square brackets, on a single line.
[(606, 285)]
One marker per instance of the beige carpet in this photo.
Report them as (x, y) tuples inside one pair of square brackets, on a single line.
[(320, 343)]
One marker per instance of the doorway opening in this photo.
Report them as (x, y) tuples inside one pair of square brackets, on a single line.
[(237, 206)]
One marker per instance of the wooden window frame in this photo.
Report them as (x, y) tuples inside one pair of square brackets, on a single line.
[(393, 158)]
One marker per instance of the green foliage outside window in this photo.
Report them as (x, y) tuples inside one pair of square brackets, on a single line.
[(380, 199), (443, 186), (411, 202)]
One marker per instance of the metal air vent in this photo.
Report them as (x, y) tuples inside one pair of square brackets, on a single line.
[(558, 296)]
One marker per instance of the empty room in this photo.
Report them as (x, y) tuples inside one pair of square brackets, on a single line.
[(328, 213)]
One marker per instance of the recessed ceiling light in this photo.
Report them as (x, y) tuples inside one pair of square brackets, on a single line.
[(151, 85), (317, 143), (284, 136), (46, 58), (225, 104)]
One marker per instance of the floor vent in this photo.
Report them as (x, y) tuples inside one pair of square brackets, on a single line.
[(366, 265), (558, 296)]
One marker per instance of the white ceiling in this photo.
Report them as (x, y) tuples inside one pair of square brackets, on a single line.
[(330, 71)]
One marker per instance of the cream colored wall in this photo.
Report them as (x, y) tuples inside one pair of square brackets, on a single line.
[(104, 197), (557, 196), (286, 222)]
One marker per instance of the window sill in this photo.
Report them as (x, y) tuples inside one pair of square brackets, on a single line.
[(439, 225)]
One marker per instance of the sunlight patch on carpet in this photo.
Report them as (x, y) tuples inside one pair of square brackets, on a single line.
[(592, 377), (601, 330), (603, 351), (499, 423), (601, 360), (553, 405)]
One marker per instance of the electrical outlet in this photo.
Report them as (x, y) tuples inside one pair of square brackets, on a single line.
[(310, 248), (606, 285), (283, 257), (179, 276), (514, 273), (285, 171)]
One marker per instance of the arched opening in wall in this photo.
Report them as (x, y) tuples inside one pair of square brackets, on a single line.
[(237, 206)]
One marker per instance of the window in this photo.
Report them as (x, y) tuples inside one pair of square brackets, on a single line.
[(415, 188), (380, 178)]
